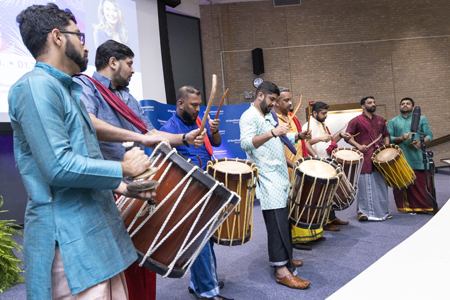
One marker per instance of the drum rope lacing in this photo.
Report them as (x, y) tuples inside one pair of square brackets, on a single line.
[(212, 223), (395, 177), (341, 204), (249, 201), (295, 203)]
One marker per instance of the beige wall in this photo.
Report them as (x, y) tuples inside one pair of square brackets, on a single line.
[(337, 51)]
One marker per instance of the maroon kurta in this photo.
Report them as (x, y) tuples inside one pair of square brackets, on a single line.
[(369, 130)]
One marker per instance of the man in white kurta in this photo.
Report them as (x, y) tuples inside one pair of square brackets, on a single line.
[(323, 144), (260, 140)]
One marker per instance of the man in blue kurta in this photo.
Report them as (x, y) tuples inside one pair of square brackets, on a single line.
[(414, 198), (203, 271), (260, 139), (114, 64), (74, 241)]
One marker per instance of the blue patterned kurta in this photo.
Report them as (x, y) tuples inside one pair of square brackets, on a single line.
[(273, 185), (70, 202)]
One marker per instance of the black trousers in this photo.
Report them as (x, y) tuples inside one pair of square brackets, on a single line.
[(279, 239)]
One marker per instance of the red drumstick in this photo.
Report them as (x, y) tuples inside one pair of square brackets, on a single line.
[(220, 106)]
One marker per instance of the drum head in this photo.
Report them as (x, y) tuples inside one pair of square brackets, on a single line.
[(232, 167), (347, 155), (386, 155), (317, 168)]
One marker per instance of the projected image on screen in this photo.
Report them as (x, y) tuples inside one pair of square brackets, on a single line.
[(99, 19)]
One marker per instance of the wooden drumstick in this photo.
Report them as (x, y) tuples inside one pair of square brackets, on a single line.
[(220, 106), (295, 110), (208, 108), (309, 114), (354, 135), (379, 137), (340, 130)]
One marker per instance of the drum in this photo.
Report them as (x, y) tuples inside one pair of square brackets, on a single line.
[(239, 176), (190, 207), (351, 161), (313, 186), (392, 164)]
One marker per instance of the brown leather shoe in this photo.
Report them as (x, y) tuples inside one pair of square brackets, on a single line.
[(293, 282), (362, 217), (331, 227), (297, 263), (338, 221)]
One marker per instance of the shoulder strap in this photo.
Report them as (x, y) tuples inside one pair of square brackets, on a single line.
[(119, 105)]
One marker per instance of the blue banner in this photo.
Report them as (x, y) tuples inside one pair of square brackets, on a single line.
[(229, 116)]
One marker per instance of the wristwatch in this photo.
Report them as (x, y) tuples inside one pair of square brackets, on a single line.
[(184, 141), (299, 136)]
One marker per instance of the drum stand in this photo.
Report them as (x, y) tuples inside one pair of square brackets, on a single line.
[(428, 157)]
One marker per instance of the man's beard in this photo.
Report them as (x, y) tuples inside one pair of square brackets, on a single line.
[(75, 56), (265, 108), (321, 120), (407, 110), (371, 109), (120, 81), (187, 117)]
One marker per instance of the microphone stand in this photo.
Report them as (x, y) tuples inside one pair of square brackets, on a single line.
[(428, 157)]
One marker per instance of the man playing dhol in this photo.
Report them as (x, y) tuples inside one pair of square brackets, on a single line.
[(372, 196), (204, 280), (323, 144), (260, 140), (114, 64), (283, 106), (414, 198), (75, 242)]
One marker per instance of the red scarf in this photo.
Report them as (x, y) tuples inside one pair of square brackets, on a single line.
[(299, 129), (119, 105), (207, 143), (333, 145)]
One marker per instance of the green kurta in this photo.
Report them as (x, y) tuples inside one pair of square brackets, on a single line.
[(399, 126)]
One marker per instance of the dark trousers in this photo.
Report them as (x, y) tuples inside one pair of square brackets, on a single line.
[(279, 240)]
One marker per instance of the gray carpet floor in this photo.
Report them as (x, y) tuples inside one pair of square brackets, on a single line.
[(329, 265)]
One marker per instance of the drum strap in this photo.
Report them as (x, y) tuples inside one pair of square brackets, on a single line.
[(284, 138), (206, 141), (361, 121), (119, 105), (299, 129)]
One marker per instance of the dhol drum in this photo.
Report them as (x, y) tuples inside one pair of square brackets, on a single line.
[(190, 207), (313, 186), (239, 176), (392, 164), (351, 161)]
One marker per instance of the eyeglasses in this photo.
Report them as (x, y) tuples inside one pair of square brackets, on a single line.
[(80, 34)]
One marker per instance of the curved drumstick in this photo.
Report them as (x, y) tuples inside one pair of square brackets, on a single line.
[(208, 108), (379, 137), (340, 130), (295, 110), (220, 106)]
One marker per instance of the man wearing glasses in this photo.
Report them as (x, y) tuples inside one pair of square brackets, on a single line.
[(74, 241)]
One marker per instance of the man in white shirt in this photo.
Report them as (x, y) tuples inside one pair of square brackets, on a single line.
[(323, 144)]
